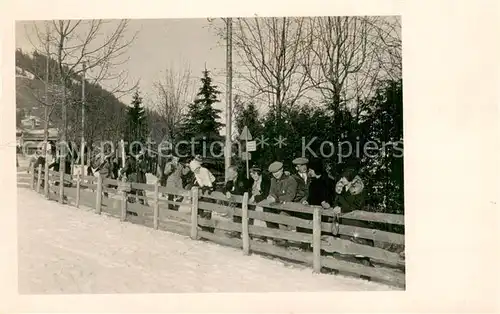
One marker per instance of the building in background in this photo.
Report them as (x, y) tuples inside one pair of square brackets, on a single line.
[(30, 136)]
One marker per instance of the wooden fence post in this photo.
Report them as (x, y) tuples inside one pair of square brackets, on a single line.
[(98, 197), (32, 177), (316, 239), (39, 179), (61, 185), (156, 205), (46, 179), (78, 179), (244, 225), (194, 213), (123, 193)]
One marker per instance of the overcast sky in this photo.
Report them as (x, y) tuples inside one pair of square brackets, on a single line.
[(162, 44)]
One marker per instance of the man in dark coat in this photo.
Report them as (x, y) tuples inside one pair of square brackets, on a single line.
[(105, 172), (141, 169), (55, 166), (130, 175), (321, 191), (114, 167), (113, 171), (283, 189), (40, 161), (301, 177), (237, 185), (160, 171), (321, 187), (129, 169)]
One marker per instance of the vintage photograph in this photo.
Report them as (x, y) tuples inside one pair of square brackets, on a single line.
[(217, 154)]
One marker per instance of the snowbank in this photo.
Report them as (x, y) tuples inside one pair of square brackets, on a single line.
[(63, 249)]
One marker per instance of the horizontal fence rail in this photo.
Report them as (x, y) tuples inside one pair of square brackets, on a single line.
[(358, 243)]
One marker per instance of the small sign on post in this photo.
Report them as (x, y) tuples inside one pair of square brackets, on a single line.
[(246, 156), (246, 136), (251, 146)]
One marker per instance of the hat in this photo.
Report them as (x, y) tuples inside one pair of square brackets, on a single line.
[(256, 169), (194, 164), (300, 161), (275, 167)]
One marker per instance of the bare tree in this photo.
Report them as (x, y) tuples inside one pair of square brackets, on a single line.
[(74, 42), (78, 42), (81, 41), (270, 51), (349, 56), (49, 94), (173, 93), (337, 49), (388, 46)]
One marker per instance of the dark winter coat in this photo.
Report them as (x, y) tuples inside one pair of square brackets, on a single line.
[(141, 169), (114, 170), (302, 189), (56, 164), (105, 169), (321, 189), (39, 161), (129, 170), (187, 178), (283, 189), (265, 185), (238, 186)]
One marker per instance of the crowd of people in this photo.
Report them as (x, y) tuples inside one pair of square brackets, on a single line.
[(308, 184)]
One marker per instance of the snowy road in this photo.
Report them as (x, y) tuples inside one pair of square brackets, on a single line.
[(63, 249)]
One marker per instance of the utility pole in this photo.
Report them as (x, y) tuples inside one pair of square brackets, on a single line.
[(46, 114), (229, 94), (82, 149)]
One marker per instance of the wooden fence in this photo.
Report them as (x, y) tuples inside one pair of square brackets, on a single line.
[(360, 243)]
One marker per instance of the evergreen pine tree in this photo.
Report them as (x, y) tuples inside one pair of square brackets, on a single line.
[(137, 124), (249, 117), (201, 119)]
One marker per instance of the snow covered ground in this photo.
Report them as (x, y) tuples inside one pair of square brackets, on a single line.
[(63, 249)]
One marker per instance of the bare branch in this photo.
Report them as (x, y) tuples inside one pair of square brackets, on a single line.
[(173, 93), (344, 56), (270, 50)]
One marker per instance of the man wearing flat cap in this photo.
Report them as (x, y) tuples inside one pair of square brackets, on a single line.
[(302, 180), (283, 187)]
